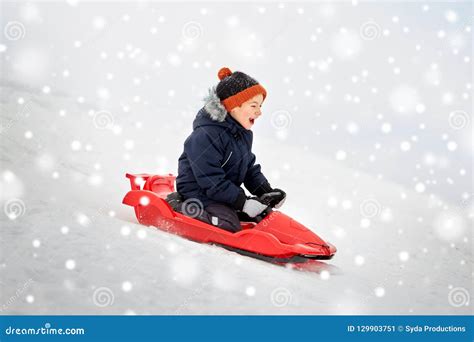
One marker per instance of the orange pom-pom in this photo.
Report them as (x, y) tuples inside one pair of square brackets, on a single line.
[(224, 72)]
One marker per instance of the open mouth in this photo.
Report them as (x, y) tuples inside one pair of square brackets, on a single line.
[(252, 121)]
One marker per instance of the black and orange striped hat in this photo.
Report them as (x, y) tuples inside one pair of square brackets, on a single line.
[(236, 87)]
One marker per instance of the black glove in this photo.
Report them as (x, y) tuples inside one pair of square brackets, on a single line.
[(274, 198)]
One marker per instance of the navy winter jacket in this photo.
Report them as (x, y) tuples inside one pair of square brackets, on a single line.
[(217, 159)]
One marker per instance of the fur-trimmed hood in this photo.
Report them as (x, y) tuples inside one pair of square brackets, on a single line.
[(214, 107), (214, 114)]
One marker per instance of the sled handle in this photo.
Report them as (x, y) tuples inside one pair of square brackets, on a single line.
[(166, 182), (137, 180)]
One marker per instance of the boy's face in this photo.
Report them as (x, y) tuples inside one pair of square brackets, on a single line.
[(248, 112)]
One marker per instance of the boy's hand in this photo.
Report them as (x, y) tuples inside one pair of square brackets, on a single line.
[(274, 199), (253, 207)]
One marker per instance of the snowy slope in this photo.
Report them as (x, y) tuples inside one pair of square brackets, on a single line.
[(367, 126), (70, 247)]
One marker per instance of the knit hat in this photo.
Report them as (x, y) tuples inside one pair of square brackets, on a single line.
[(236, 87)]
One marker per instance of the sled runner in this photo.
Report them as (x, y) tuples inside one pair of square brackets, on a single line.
[(276, 237)]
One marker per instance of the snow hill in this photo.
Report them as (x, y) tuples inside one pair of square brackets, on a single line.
[(68, 245)]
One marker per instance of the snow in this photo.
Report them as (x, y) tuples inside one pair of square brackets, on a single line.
[(127, 286), (379, 292), (70, 264), (368, 129), (359, 260), (324, 275)]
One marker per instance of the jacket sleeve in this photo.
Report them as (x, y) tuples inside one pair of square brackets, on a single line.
[(205, 157), (255, 181)]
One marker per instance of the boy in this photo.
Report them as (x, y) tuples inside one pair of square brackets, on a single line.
[(218, 156)]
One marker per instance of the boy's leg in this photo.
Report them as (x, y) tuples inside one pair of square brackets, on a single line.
[(217, 214), (223, 216)]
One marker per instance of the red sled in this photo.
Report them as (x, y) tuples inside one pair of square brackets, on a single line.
[(276, 238)]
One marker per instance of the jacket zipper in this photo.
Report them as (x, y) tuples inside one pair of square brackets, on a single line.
[(227, 159)]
